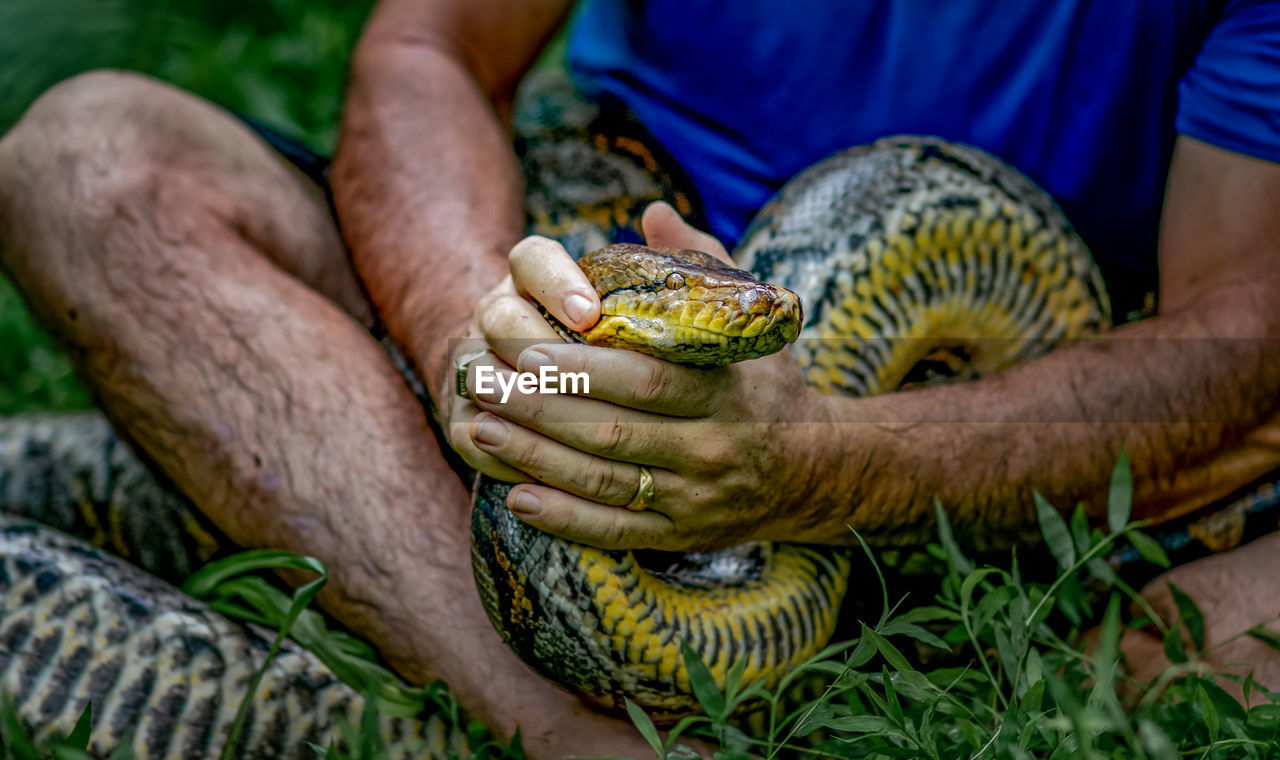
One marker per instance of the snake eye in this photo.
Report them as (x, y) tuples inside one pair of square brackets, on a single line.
[(675, 281)]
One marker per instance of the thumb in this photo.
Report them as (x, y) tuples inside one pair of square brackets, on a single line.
[(663, 228)]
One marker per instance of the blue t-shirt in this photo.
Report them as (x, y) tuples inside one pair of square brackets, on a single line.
[(1084, 96)]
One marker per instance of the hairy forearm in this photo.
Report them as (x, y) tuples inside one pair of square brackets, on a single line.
[(1189, 396), (428, 192)]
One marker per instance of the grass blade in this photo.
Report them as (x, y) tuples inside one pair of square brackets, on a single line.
[(645, 727), (1056, 534), (1192, 618), (1149, 548), (703, 683), (1120, 494)]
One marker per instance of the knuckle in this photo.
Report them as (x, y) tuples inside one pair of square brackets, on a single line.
[(715, 456), (491, 316), (652, 385), (613, 533), (536, 413), (611, 437), (605, 483), (532, 456)]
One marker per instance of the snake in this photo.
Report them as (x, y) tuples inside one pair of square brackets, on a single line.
[(885, 267), (890, 266)]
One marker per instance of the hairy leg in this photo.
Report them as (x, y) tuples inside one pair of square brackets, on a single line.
[(182, 264)]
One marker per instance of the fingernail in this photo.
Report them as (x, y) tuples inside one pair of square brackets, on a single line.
[(576, 307), (533, 358), (525, 502), (492, 431)]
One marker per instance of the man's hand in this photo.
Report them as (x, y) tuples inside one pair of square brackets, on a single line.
[(506, 312), (725, 446)]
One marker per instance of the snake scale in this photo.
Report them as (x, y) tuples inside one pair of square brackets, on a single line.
[(916, 261)]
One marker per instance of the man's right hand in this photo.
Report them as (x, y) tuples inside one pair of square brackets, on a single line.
[(510, 314)]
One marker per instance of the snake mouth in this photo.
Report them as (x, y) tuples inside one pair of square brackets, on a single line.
[(713, 341), (687, 306)]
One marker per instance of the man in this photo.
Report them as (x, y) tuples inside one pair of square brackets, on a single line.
[(204, 289)]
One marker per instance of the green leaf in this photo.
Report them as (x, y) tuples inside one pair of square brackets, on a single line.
[(862, 653), (1156, 742), (1264, 717), (912, 631), (703, 683), (1035, 695), (955, 558), (124, 750), (674, 734), (302, 596), (79, 736), (1072, 600), (1005, 651), (891, 697), (204, 582), (1080, 530), (862, 724), (1261, 632), (890, 653), (1120, 495), (818, 716), (875, 565), (1191, 615), (1209, 712), (734, 677), (1149, 548), (645, 727), (1055, 532), (16, 742), (1173, 647)]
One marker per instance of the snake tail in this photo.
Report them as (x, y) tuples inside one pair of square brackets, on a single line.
[(165, 674)]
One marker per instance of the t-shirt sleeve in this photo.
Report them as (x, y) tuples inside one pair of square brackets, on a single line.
[(1230, 96)]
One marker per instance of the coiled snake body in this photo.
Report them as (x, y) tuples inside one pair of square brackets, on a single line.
[(916, 261)]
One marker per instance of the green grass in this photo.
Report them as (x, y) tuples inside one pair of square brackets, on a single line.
[(1021, 684)]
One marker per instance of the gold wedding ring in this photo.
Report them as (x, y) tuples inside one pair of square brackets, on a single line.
[(460, 367), (644, 492)]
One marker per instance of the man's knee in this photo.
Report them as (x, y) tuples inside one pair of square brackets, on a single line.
[(83, 148)]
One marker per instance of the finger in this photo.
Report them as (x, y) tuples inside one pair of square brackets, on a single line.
[(541, 268), (586, 424), (462, 441), (509, 324), (591, 477), (631, 379), (577, 519), (664, 227)]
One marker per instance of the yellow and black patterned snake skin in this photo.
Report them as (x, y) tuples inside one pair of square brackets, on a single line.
[(916, 261)]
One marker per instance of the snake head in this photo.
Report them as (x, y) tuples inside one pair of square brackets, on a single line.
[(686, 306)]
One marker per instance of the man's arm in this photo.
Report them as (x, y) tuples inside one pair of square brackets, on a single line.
[(425, 181), (1190, 395)]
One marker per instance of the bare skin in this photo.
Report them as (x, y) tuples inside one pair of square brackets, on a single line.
[(196, 278), (749, 452)]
